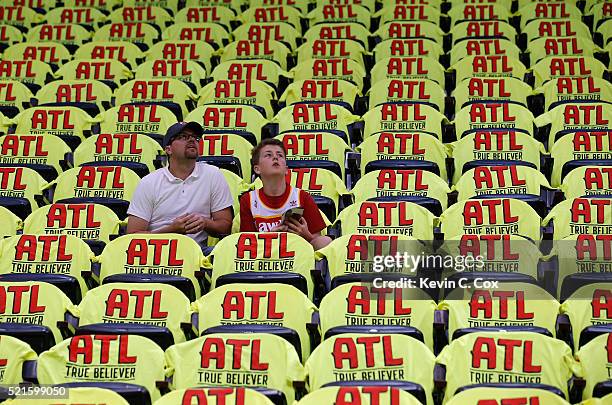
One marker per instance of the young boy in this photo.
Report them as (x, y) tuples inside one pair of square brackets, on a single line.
[(261, 210)]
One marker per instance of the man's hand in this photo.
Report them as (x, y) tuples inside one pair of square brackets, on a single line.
[(299, 228), (195, 223)]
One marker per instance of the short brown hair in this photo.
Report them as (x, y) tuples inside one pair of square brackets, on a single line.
[(266, 142)]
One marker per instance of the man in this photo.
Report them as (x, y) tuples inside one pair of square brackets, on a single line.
[(185, 197), (262, 210)]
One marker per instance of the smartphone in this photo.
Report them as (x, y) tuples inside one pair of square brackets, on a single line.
[(295, 213)]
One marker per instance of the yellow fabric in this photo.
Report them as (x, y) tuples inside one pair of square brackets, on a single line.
[(10, 223), (266, 13), (19, 16), (579, 145), (52, 120), (229, 145), (605, 29), (257, 304), (495, 11), (498, 115), (226, 359), (400, 183), (568, 89), (320, 90), (555, 27), (342, 69), (10, 34), (14, 94), (512, 304), (151, 14), (331, 49), (409, 67), (13, 353), (85, 221), (53, 254), (21, 182), (228, 118), (359, 395), (187, 71), (482, 28), (263, 252), (124, 52), (587, 181), (571, 117), (198, 51), (65, 34), (35, 303), (141, 119), (211, 13), (260, 69), (128, 359), (410, 29), (315, 117), (96, 181), (246, 92), (596, 360), (566, 66), (401, 91), (155, 90), (268, 50), (494, 395), (135, 33), (118, 147), (487, 46), (340, 13), (399, 47), (212, 395), (403, 145), (94, 69), (491, 89), (329, 30), (209, 32), (151, 304), (591, 216), (393, 12), (169, 254), (76, 91), (402, 117), (303, 146), (524, 357), (388, 218), (237, 186), (33, 149), (278, 31), (354, 304), (98, 4), (48, 52), (491, 217), (488, 66), (540, 48), (171, 5), (353, 356), (75, 15), (535, 10), (588, 306), (77, 396), (486, 180), (25, 71), (601, 12), (300, 5)]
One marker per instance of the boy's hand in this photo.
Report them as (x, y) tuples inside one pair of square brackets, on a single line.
[(299, 227)]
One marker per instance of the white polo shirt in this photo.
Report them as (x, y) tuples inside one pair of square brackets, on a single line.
[(160, 197)]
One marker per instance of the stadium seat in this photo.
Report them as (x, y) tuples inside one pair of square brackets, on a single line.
[(493, 115), (553, 67), (69, 35), (277, 309), (19, 356), (156, 311), (360, 394), (340, 13), (212, 33), (265, 257), (221, 359), (586, 181), (336, 68), (254, 69), (478, 89), (125, 52), (580, 215), (243, 49), (19, 188), (150, 119), (92, 96), (424, 91), (259, 31), (48, 155), (15, 97), (111, 186), (408, 68), (86, 16), (393, 117), (340, 30), (188, 71), (487, 65), (141, 34), (341, 92), (485, 46), (586, 306), (230, 395), (255, 93), (56, 259), (117, 362), (110, 71), (380, 359), (486, 393), (153, 258), (194, 13), (53, 53), (32, 73), (10, 223), (227, 151), (571, 89)]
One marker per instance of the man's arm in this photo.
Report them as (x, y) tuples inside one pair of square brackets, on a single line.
[(220, 223), (139, 225)]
